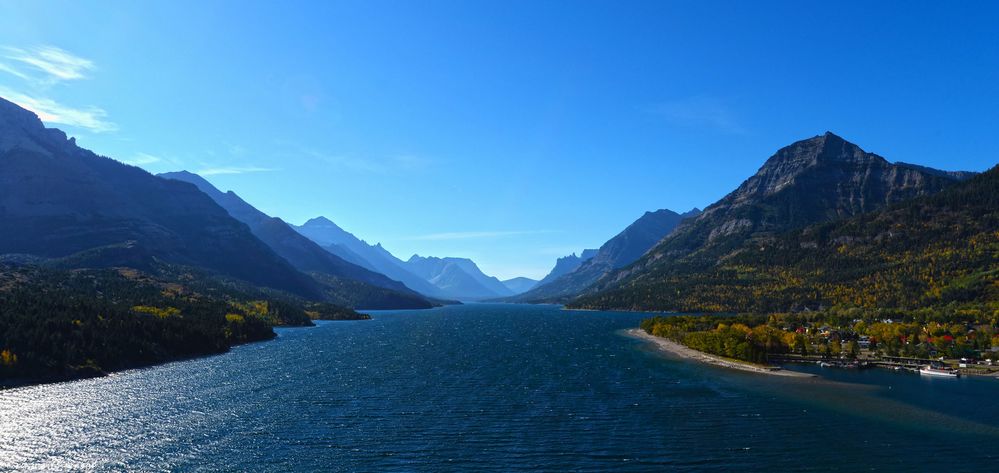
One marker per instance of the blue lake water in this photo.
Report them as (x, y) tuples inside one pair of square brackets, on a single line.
[(489, 387)]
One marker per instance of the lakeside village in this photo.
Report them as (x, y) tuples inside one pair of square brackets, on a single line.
[(928, 345)]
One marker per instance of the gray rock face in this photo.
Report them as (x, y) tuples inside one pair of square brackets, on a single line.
[(822, 178), (20, 128)]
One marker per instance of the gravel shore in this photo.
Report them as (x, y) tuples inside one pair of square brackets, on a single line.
[(689, 353)]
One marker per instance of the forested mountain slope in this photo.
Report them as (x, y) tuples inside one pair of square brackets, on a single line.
[(928, 253)]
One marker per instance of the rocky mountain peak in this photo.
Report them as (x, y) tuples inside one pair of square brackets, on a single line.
[(21, 128), (827, 154), (825, 148), (810, 181), (12, 114)]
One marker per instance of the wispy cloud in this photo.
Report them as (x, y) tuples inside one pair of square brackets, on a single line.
[(142, 159), (13, 71), (374, 164), (471, 235), (91, 118), (55, 64), (232, 170), (42, 66), (352, 163), (701, 112), (409, 161)]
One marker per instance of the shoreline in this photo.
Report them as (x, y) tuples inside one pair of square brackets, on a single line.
[(16, 383), (686, 353)]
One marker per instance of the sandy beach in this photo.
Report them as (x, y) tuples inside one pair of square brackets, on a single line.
[(688, 353)]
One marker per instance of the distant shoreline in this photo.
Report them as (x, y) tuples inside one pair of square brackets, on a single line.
[(677, 349)]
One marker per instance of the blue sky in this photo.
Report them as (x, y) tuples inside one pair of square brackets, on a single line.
[(509, 132)]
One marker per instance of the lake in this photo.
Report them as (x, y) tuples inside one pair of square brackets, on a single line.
[(492, 387)]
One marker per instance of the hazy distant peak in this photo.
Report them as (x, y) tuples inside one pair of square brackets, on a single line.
[(187, 176), (520, 285), (320, 221), (183, 172)]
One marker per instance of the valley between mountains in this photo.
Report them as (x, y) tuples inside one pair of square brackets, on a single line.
[(104, 266)]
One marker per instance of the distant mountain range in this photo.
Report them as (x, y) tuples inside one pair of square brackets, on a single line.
[(444, 278), (308, 256), (321, 246), (373, 257), (457, 276)]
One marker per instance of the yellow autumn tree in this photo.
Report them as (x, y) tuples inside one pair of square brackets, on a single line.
[(8, 358)]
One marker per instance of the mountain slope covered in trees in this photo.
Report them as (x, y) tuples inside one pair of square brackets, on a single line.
[(63, 324), (938, 252)]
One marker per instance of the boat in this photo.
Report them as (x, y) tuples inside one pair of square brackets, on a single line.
[(930, 370)]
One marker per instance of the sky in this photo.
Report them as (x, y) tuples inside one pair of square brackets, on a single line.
[(510, 132)]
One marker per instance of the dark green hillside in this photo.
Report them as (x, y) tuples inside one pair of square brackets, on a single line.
[(58, 324)]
